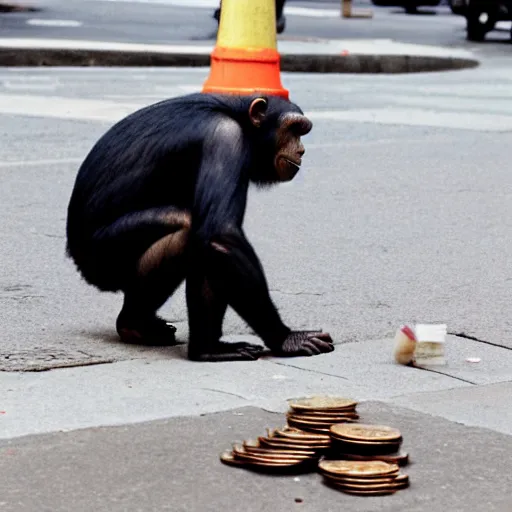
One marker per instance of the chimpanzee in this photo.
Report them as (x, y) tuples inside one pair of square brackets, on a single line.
[(161, 198)]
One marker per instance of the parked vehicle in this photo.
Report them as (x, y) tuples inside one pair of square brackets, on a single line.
[(410, 6), (482, 15), (458, 6)]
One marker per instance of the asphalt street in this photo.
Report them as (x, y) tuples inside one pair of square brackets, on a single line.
[(399, 210), (164, 21)]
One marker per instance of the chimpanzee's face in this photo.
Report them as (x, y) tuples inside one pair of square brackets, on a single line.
[(289, 147), (280, 149)]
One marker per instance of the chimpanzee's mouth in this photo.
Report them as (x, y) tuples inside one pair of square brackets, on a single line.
[(296, 165)]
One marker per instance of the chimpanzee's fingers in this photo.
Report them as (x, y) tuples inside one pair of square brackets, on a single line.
[(249, 355), (255, 349), (243, 345), (325, 336), (323, 346), (310, 348)]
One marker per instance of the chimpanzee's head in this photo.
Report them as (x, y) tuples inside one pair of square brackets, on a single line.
[(279, 125)]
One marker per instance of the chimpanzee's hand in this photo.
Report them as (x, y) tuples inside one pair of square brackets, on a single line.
[(305, 343)]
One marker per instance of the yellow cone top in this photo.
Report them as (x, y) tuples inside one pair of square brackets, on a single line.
[(246, 23)]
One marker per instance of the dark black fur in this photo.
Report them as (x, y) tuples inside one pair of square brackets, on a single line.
[(197, 154)]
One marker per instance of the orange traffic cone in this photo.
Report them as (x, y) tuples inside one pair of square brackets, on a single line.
[(245, 59)]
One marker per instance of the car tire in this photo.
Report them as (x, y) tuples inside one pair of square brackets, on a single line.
[(281, 24), (476, 30)]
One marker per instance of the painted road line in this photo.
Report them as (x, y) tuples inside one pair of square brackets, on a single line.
[(31, 163), (213, 4), (54, 23), (110, 111), (473, 121)]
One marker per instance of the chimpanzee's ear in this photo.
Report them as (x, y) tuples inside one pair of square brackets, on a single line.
[(258, 111)]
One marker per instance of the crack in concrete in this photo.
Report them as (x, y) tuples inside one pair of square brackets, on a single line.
[(225, 393), (445, 374), (469, 337), (314, 294), (308, 370)]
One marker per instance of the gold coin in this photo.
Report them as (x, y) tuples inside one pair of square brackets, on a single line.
[(255, 448), (359, 469), (322, 403), (367, 433), (274, 443), (228, 458), (301, 435), (316, 422), (309, 426), (402, 477), (366, 487), (354, 480), (324, 414), (368, 493), (240, 453), (306, 443), (402, 480), (368, 478), (392, 445), (393, 485), (401, 458), (322, 419)]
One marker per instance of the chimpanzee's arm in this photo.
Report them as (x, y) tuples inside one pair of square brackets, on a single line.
[(217, 216), (231, 263)]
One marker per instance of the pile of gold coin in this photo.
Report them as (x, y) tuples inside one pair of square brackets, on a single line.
[(367, 442), (322, 433), (281, 448), (367, 478), (317, 414)]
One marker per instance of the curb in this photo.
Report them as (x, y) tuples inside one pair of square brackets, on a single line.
[(300, 63)]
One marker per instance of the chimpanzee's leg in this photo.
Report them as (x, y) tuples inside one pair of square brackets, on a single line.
[(206, 310), (154, 242)]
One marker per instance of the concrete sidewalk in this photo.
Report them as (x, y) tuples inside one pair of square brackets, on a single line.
[(146, 435), (299, 55)]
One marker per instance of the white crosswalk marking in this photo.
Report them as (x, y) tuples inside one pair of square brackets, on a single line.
[(213, 4), (453, 102)]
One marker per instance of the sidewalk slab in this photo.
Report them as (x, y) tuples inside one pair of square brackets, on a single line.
[(372, 362), (143, 390), (174, 465), (481, 406), (314, 55)]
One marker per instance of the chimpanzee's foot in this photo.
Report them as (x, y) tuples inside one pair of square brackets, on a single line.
[(223, 351), (153, 331)]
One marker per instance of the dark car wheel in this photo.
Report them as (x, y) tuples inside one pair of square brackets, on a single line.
[(479, 22), (457, 8)]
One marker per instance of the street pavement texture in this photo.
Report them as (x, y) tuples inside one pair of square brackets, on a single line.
[(401, 214), (173, 465), (191, 22)]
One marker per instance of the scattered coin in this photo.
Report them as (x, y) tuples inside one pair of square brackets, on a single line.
[(323, 403), (240, 453), (255, 448), (400, 458), (323, 420), (366, 433), (358, 469), (285, 444), (228, 458), (368, 493), (301, 435)]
